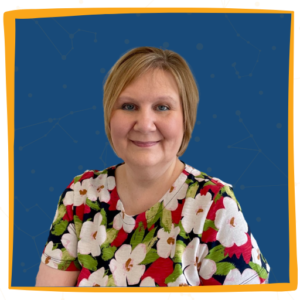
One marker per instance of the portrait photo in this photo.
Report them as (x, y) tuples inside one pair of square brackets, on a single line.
[(195, 105)]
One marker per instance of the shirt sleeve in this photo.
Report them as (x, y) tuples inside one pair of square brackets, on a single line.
[(60, 251), (232, 256)]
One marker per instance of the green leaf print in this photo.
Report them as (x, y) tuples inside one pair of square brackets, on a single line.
[(149, 236), (202, 175), (93, 205), (104, 218), (64, 265), (77, 264), (176, 273), (66, 256), (106, 272), (166, 220), (192, 190), (262, 273), (108, 252), (61, 212), (151, 256), (55, 246), (216, 254), (208, 183), (218, 196), (77, 178), (209, 224), (150, 243), (180, 247), (88, 261), (153, 214), (230, 193), (182, 231), (78, 225), (224, 268), (188, 181), (111, 234), (111, 281), (137, 236), (60, 227)]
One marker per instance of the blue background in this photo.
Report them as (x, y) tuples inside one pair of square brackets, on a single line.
[(240, 62)]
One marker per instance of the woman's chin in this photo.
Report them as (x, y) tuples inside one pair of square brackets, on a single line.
[(144, 161)]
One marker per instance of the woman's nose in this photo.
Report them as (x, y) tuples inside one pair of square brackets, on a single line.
[(145, 121)]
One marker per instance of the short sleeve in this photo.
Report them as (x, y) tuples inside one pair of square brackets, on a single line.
[(60, 251), (233, 256)]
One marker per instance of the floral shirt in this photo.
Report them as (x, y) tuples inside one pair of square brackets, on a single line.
[(195, 235)]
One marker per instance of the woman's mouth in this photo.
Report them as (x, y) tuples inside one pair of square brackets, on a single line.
[(145, 144)]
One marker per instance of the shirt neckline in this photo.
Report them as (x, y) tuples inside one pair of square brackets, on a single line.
[(180, 180)]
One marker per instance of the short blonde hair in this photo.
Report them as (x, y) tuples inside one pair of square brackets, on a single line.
[(136, 62)]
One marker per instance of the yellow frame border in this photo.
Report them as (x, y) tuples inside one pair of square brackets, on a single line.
[(89, 7)]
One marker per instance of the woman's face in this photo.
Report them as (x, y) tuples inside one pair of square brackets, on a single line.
[(147, 120)]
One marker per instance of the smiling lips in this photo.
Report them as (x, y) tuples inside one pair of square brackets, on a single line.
[(144, 144)]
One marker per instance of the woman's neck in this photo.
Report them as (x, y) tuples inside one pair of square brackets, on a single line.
[(136, 184)]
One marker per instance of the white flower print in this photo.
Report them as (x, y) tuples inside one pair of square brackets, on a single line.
[(197, 173), (95, 279), (69, 196), (255, 252), (81, 189), (148, 281), (52, 258), (208, 268), (167, 242), (175, 192), (180, 281), (126, 264), (234, 277), (100, 186), (231, 224), (191, 260), (123, 220), (69, 240), (194, 213), (92, 236)]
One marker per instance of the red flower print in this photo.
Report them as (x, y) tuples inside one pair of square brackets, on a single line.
[(72, 267), (121, 237), (245, 250), (80, 211), (87, 175), (84, 274), (210, 235), (140, 218), (214, 208), (214, 188), (114, 197), (69, 214), (176, 214), (160, 270)]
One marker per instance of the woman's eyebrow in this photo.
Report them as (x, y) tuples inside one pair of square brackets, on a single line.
[(158, 98)]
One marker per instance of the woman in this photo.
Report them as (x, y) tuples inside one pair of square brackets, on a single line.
[(152, 220)]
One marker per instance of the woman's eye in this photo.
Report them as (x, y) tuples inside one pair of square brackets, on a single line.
[(162, 107), (128, 107)]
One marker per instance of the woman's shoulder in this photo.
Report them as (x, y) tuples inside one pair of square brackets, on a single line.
[(93, 174), (89, 184), (200, 176)]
